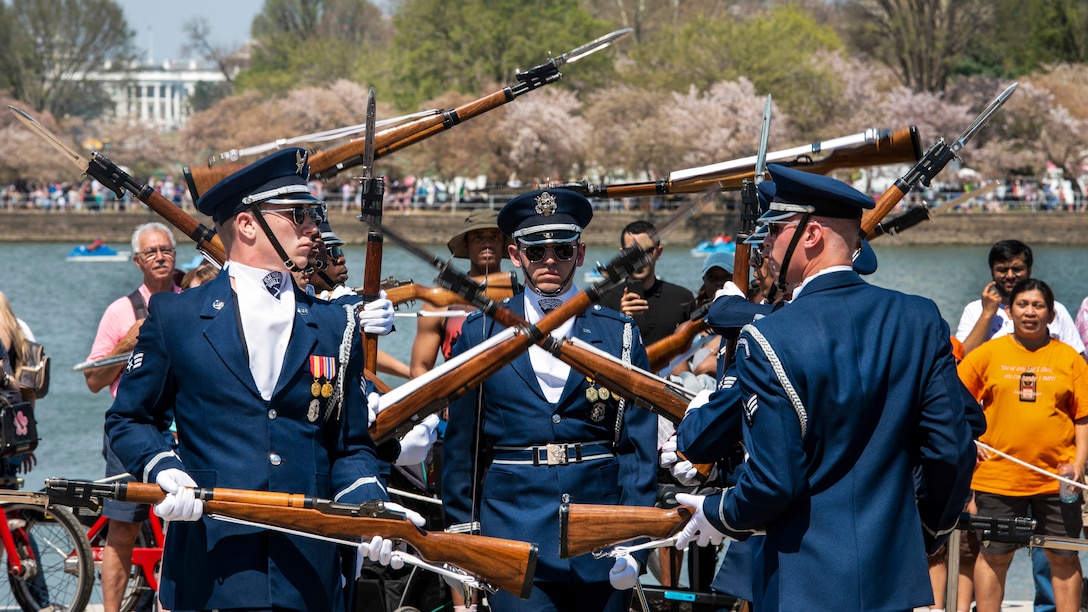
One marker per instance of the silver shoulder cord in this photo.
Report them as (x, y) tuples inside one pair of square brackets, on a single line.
[(344, 356), (445, 570), (621, 405)]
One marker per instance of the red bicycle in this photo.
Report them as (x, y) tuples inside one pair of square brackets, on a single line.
[(47, 555)]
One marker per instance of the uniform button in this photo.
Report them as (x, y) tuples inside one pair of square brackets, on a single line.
[(566, 498), (272, 413), (275, 459), (556, 418)]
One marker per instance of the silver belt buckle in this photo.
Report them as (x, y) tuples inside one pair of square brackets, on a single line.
[(557, 454)]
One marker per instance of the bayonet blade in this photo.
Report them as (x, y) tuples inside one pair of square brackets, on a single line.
[(983, 118), (368, 147), (51, 138), (591, 47), (764, 135)]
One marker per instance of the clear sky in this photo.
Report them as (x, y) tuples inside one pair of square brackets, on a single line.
[(157, 23)]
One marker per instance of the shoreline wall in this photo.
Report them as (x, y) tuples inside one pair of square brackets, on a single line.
[(1054, 228)]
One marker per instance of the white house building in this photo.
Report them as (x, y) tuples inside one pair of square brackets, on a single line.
[(158, 95)]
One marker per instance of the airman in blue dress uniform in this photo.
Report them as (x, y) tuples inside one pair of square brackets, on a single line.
[(547, 435), (842, 395), (267, 395)]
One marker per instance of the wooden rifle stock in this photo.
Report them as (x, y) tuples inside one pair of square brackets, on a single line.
[(498, 286), (584, 528), (505, 564), (888, 147), (664, 350)]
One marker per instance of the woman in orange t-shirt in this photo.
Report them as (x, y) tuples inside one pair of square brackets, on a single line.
[(1034, 394)]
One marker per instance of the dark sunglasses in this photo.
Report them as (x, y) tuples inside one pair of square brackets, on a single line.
[(775, 228), (335, 253), (299, 213), (535, 253)]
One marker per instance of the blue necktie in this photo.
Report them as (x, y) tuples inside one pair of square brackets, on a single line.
[(272, 282)]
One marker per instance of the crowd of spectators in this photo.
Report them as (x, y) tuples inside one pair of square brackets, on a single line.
[(410, 194)]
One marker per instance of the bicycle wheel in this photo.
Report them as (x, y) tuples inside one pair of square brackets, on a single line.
[(58, 570)]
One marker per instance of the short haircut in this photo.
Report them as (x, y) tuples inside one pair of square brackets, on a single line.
[(1008, 249), (1032, 284), (637, 227), (153, 226)]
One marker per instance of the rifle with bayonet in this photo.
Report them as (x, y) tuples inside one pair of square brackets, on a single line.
[(372, 192), (329, 163), (869, 148), (118, 181), (935, 159), (405, 405), (506, 564), (665, 349)]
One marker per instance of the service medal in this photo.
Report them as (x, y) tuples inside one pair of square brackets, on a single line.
[(604, 394), (313, 411), (591, 394), (315, 389), (323, 368), (326, 390), (596, 414)]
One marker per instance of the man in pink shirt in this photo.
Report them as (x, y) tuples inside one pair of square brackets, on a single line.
[(154, 253)]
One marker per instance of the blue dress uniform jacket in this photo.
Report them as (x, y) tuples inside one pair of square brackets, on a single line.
[(190, 360), (521, 502), (843, 393)]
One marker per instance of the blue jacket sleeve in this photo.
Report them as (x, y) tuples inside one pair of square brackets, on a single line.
[(707, 433), (950, 421), (144, 404), (355, 466)]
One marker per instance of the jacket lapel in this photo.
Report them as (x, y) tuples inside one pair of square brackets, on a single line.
[(302, 344), (222, 331)]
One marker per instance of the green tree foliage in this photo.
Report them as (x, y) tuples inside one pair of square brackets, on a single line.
[(468, 46), (918, 39), (772, 49), (305, 43), (1026, 35), (46, 46)]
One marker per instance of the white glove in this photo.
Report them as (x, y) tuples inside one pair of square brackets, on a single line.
[(701, 399), (415, 445), (377, 549), (372, 408), (416, 518), (181, 503), (681, 469), (377, 317), (624, 573), (698, 525), (729, 288)]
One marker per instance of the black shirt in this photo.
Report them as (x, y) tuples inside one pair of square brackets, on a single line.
[(669, 306)]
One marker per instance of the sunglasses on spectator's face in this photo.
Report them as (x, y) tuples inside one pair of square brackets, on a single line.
[(535, 253)]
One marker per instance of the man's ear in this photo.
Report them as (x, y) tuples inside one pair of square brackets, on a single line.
[(512, 251)]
